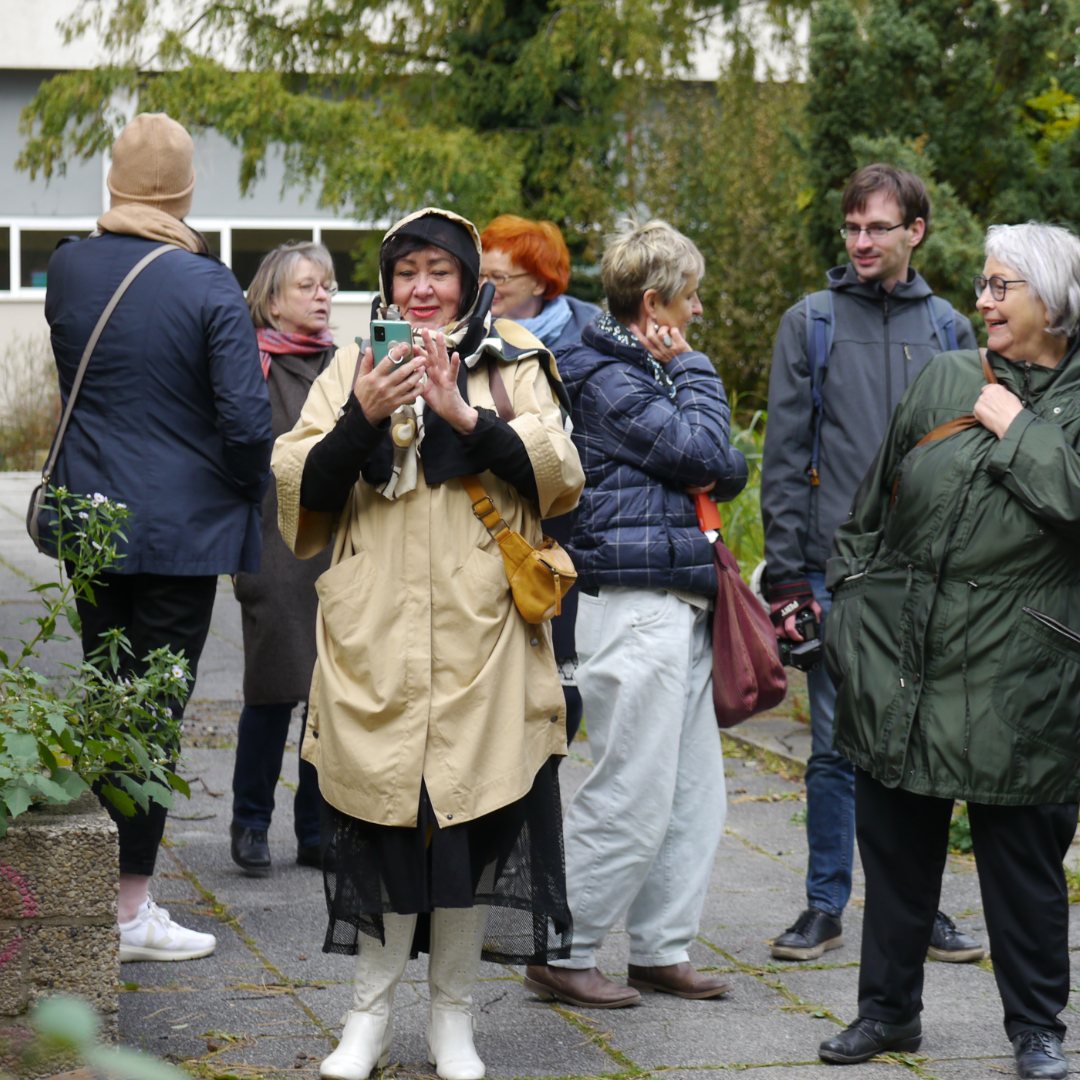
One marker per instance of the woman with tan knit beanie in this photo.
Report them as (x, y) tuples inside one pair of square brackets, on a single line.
[(173, 420)]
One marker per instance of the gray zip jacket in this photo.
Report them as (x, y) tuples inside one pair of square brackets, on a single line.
[(881, 341)]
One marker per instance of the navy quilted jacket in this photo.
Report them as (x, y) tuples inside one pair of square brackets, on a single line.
[(635, 524)]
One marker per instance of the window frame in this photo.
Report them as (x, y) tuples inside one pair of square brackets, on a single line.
[(225, 226)]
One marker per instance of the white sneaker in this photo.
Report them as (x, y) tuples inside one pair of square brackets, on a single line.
[(152, 935)]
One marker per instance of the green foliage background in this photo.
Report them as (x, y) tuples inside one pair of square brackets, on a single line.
[(582, 112)]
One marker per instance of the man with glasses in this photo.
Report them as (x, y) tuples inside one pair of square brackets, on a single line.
[(843, 359)]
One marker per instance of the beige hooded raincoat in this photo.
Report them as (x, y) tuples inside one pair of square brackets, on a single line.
[(426, 670)]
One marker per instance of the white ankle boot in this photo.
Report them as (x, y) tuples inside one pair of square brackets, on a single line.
[(457, 936), (368, 1033)]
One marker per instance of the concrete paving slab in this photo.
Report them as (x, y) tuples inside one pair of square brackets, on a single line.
[(270, 1002)]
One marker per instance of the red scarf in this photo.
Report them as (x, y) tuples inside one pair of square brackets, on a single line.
[(283, 344)]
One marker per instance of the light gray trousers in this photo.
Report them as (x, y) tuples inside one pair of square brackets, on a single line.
[(642, 830)]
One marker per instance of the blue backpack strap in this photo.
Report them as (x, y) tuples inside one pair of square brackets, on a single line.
[(820, 320), (943, 319)]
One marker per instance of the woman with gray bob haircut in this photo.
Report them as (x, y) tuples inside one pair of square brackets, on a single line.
[(954, 644), (1047, 257), (276, 273), (289, 301)]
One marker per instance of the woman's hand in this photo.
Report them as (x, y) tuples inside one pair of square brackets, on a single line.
[(692, 490), (441, 389), (997, 408), (382, 390), (664, 342)]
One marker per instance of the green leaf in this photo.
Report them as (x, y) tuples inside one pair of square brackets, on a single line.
[(122, 801), (73, 784), (178, 783), (17, 797), (66, 1020), (136, 789), (52, 791), (119, 1061)]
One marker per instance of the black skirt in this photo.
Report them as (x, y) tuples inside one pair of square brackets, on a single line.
[(511, 860)]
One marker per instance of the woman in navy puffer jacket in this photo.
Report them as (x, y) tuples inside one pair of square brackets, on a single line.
[(651, 425)]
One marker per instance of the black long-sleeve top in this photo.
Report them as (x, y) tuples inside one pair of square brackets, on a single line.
[(334, 464)]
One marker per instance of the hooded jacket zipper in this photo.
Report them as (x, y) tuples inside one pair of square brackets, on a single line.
[(888, 373)]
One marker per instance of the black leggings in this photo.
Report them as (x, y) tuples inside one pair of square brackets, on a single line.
[(153, 610)]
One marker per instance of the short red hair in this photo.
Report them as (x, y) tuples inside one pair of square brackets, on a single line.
[(536, 246)]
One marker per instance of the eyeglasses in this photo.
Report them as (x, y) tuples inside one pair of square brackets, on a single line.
[(499, 280), (876, 232), (998, 285), (310, 288)]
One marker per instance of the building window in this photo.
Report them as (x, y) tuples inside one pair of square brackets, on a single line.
[(5, 259), (36, 247), (250, 246), (356, 257)]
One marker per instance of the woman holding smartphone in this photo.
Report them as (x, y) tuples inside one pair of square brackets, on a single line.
[(436, 710)]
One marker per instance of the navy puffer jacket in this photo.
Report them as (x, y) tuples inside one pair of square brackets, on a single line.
[(640, 449), (173, 418)]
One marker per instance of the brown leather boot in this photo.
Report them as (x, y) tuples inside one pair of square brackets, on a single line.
[(587, 988), (682, 980)]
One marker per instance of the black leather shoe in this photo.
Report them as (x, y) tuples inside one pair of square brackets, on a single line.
[(814, 932), (313, 855), (865, 1038), (952, 945), (1038, 1056), (250, 851)]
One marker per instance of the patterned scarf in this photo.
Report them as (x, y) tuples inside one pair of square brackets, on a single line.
[(614, 329), (278, 341)]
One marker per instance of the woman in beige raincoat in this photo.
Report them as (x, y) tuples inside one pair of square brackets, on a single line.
[(436, 710)]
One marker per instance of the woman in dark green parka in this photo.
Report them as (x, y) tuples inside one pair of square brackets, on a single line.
[(954, 641)]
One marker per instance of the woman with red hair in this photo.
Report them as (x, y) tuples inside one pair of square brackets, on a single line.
[(529, 265)]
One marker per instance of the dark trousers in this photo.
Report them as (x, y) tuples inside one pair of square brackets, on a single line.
[(153, 610), (260, 748), (903, 840), (574, 711)]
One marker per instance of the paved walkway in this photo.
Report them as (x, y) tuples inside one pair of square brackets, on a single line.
[(270, 1002)]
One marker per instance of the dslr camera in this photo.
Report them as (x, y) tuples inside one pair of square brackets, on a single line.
[(806, 654)]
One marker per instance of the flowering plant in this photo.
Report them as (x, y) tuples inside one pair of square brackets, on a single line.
[(101, 725)]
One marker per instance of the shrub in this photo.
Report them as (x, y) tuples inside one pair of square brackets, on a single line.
[(101, 726), (29, 401), (743, 532)]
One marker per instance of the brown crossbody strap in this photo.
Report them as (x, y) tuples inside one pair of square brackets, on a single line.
[(954, 426), (482, 506)]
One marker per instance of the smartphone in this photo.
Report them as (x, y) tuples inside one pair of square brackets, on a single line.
[(386, 333)]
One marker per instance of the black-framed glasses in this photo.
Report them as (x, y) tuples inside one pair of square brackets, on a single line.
[(876, 232), (998, 285)]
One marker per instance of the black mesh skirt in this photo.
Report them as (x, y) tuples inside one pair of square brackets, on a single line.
[(511, 860)]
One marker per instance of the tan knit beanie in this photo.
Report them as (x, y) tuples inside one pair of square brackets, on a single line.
[(153, 165)]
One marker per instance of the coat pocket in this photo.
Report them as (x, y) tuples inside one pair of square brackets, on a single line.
[(842, 626), (1037, 686)]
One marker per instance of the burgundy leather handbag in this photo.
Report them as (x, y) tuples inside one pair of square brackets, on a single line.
[(748, 677)]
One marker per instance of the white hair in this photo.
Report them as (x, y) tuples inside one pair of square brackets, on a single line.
[(1048, 258)]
